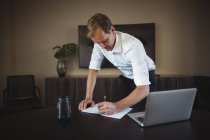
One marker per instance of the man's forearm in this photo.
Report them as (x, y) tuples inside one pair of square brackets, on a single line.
[(91, 80), (138, 94)]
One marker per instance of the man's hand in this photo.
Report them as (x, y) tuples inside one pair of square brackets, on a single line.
[(107, 108), (86, 103)]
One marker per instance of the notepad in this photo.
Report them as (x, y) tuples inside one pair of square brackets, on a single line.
[(94, 110)]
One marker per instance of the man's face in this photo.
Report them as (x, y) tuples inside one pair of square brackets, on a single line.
[(105, 40)]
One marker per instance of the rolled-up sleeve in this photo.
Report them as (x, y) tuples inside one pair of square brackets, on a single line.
[(138, 59), (96, 58)]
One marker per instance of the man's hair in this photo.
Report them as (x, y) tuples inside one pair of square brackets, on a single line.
[(96, 21)]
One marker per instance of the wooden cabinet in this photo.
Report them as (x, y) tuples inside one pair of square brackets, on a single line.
[(174, 82), (75, 87)]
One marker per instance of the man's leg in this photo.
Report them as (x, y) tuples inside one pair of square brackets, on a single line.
[(153, 80), (124, 87)]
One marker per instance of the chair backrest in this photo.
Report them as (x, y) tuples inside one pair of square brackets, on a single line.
[(20, 87)]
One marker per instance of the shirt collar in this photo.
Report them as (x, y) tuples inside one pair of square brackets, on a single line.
[(118, 43)]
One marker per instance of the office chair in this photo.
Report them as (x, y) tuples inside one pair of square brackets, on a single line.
[(21, 94)]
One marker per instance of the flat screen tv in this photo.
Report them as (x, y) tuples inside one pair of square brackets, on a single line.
[(144, 32)]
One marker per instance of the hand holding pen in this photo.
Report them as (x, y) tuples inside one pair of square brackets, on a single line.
[(107, 108)]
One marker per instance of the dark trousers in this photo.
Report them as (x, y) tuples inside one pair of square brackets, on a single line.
[(125, 86)]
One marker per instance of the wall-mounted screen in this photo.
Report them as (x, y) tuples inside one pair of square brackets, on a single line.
[(144, 32)]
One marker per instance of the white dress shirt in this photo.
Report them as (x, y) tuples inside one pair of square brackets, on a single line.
[(128, 55)]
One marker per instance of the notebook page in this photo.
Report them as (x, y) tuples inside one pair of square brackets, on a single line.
[(119, 115)]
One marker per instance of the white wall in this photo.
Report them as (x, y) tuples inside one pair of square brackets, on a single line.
[(29, 30)]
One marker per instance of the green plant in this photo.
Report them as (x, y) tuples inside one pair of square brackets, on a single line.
[(64, 50)]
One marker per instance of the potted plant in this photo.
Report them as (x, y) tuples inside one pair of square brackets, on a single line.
[(61, 53)]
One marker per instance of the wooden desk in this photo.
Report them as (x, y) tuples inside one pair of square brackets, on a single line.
[(42, 125)]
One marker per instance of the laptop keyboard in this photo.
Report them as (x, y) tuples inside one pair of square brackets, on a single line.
[(141, 119)]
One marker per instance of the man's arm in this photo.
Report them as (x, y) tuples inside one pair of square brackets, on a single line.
[(138, 94), (91, 80)]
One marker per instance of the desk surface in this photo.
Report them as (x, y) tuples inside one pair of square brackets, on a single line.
[(42, 125)]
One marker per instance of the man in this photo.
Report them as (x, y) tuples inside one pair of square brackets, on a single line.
[(125, 52)]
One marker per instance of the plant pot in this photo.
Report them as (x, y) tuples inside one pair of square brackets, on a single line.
[(61, 67)]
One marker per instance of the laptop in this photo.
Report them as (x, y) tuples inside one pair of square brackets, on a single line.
[(166, 107)]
